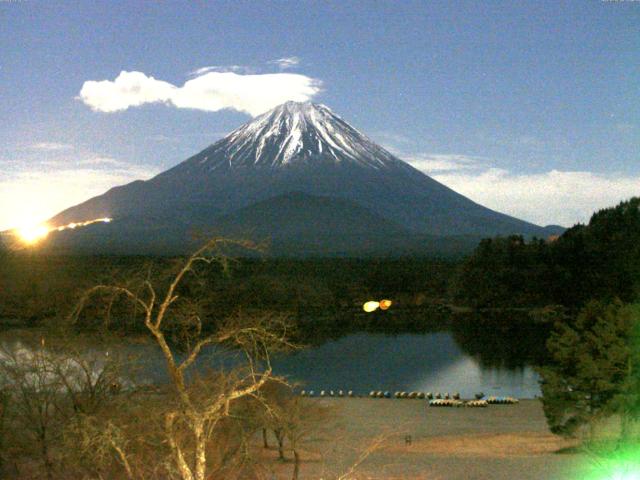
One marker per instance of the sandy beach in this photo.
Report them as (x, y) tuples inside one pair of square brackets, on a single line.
[(421, 442)]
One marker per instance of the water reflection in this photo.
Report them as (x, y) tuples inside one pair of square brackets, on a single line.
[(422, 362), (506, 341), (476, 354), (467, 376)]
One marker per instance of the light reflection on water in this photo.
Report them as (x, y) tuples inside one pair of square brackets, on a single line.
[(422, 362), (430, 362), (467, 377)]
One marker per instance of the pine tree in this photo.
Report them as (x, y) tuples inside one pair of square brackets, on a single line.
[(592, 370), (627, 402)]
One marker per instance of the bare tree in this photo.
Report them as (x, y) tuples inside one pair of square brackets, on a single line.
[(124, 441), (200, 407), (294, 420), (49, 387), (31, 379), (303, 418), (271, 413), (4, 402)]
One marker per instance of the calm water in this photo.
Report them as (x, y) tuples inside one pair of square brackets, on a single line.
[(428, 362), (431, 362)]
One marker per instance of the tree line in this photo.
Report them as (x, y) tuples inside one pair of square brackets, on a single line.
[(587, 281), (324, 296), (600, 260)]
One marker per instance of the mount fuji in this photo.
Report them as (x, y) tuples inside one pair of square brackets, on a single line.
[(298, 175)]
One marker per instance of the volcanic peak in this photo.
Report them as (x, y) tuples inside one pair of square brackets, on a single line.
[(294, 133)]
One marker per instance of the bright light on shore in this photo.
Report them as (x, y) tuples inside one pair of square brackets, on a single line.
[(35, 233), (32, 234), (370, 306)]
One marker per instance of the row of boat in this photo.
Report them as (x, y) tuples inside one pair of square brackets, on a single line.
[(435, 399)]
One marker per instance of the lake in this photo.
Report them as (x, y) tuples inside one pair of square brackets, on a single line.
[(429, 362), (457, 360)]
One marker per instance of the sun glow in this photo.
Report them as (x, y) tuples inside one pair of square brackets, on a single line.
[(32, 234)]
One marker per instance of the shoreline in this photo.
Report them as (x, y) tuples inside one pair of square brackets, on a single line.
[(498, 442)]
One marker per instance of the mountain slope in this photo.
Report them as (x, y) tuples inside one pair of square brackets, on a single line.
[(293, 225), (297, 147), (300, 224), (298, 214)]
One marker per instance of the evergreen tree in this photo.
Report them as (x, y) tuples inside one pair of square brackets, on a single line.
[(591, 372), (627, 402), (505, 272), (600, 260)]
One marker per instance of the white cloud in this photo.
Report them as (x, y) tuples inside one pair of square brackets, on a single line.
[(106, 162), (212, 91), (286, 62), (221, 68), (435, 163), (33, 192), (50, 146), (253, 94), (553, 197), (129, 89)]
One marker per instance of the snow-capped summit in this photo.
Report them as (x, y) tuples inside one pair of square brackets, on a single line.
[(298, 174), (293, 133)]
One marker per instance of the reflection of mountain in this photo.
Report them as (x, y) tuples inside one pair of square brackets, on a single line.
[(422, 362), (462, 374), (505, 340), (467, 377), (359, 362), (362, 362)]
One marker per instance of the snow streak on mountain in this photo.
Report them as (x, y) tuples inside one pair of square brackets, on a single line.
[(294, 134), (299, 175)]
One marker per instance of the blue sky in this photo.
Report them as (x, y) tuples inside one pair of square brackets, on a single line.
[(531, 108)]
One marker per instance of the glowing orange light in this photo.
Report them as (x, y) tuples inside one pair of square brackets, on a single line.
[(370, 306), (384, 304), (32, 234), (74, 225)]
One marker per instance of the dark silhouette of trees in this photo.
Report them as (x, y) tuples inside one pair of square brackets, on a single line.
[(600, 260), (504, 272)]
